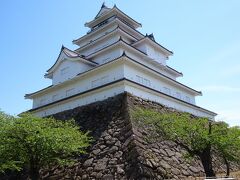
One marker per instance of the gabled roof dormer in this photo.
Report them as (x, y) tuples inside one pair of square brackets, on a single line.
[(67, 55), (150, 41)]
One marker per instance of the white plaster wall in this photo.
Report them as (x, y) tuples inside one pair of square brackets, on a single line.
[(81, 100), (73, 68), (156, 82), (82, 84), (150, 95)]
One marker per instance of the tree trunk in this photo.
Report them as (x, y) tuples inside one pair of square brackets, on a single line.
[(34, 169), (227, 166), (206, 160), (206, 157), (34, 173)]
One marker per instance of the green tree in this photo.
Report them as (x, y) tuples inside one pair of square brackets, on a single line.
[(227, 142), (33, 143), (198, 136)]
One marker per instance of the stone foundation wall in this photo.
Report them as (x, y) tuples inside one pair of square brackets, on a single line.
[(120, 149)]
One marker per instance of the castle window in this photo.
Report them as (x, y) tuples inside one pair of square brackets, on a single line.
[(146, 82), (139, 79), (143, 81), (102, 23)]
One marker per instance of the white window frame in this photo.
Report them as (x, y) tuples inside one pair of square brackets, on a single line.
[(146, 82), (143, 81)]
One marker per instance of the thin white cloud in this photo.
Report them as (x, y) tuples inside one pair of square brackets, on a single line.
[(231, 116), (220, 88)]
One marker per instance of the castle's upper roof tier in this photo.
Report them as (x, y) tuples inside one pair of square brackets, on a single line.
[(106, 13)]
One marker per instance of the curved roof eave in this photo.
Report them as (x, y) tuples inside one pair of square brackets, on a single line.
[(174, 70)]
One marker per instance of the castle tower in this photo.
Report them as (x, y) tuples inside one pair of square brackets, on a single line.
[(112, 58)]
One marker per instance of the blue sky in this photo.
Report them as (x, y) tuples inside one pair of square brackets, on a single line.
[(204, 36)]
